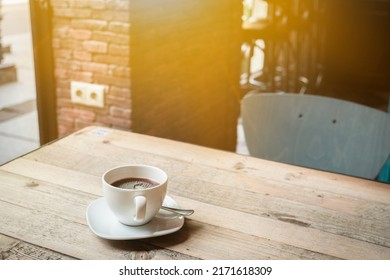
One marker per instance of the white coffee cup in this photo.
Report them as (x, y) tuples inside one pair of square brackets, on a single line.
[(135, 207)]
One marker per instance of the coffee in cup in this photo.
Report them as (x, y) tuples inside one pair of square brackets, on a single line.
[(135, 193), (135, 183)]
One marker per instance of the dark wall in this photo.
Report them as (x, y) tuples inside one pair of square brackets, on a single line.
[(185, 63), (357, 50)]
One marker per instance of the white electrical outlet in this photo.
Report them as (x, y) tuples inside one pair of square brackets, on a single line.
[(77, 92), (87, 94)]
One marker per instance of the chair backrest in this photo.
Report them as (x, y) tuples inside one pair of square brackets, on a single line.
[(317, 132)]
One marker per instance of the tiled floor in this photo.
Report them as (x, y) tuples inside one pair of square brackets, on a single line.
[(19, 132)]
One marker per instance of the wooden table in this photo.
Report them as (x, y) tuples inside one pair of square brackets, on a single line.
[(245, 208)]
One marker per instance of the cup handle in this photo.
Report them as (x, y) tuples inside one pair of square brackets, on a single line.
[(140, 208)]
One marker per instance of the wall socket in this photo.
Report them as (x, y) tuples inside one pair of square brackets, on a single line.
[(87, 94)]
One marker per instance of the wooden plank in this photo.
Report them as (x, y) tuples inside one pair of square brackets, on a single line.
[(269, 190), (91, 138), (13, 249), (129, 150), (67, 231), (71, 238), (293, 232), (6, 243), (210, 243), (73, 179), (261, 209), (345, 220), (287, 203), (36, 201), (39, 204), (360, 213), (215, 242)]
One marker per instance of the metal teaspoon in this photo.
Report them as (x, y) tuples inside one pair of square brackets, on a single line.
[(182, 212)]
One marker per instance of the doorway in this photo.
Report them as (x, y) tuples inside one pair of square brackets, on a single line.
[(19, 129)]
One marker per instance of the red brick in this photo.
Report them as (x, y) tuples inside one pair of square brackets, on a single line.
[(68, 64), (59, 3), (121, 123), (71, 44), (67, 124), (84, 114), (91, 24), (89, 4), (110, 80), (119, 27), (111, 37), (65, 129), (79, 124), (59, 22), (66, 112), (60, 32), (118, 101), (95, 46), (94, 67), (121, 5), (120, 91), (111, 59), (81, 76), (65, 101), (62, 84), (119, 112), (72, 13), (62, 92), (61, 73), (104, 119), (82, 55), (120, 71), (61, 53), (109, 15), (80, 34), (66, 118)]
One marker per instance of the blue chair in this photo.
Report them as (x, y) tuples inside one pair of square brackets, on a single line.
[(317, 132), (384, 175)]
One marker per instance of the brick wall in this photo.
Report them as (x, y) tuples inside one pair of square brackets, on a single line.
[(184, 58), (91, 44)]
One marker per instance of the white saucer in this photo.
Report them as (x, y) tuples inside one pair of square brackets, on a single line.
[(104, 224)]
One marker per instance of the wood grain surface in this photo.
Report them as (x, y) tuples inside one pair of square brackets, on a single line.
[(245, 208)]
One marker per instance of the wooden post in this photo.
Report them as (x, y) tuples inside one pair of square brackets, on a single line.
[(44, 71)]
